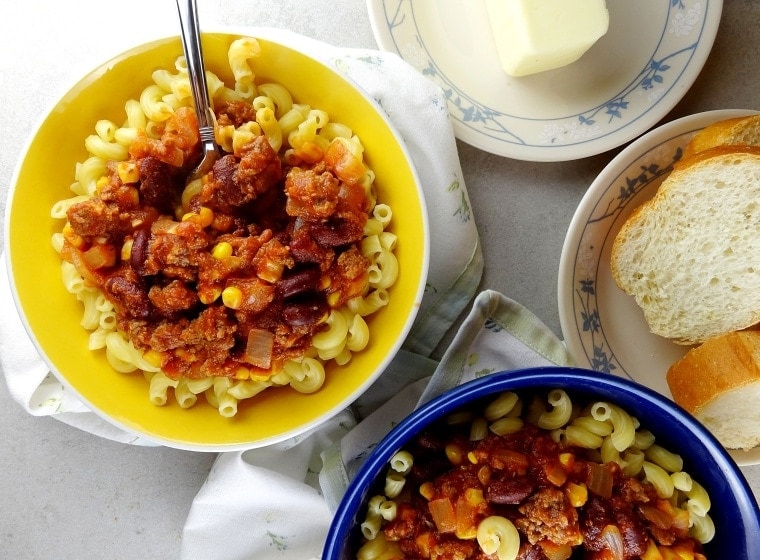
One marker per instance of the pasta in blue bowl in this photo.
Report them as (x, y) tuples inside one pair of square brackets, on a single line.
[(547, 463)]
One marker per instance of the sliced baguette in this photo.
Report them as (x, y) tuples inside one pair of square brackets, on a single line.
[(691, 255), (719, 384), (740, 131)]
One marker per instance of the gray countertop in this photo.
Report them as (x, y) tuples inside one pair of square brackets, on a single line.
[(68, 494)]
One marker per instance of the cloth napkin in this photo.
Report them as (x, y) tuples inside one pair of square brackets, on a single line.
[(284, 495)]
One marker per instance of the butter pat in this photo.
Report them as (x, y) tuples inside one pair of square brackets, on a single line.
[(537, 35)]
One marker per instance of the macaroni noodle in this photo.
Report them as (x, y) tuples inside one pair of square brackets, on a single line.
[(536, 487), (159, 125)]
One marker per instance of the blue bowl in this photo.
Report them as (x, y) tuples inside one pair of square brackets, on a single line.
[(734, 508)]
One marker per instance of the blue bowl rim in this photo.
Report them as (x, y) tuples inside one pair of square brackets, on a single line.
[(576, 380)]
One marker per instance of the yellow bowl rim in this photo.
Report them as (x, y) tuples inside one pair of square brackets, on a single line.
[(285, 39)]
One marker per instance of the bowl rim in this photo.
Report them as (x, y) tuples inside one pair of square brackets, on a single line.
[(282, 38), (573, 378)]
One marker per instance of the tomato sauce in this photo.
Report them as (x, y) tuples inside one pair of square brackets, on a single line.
[(543, 486), (281, 239)]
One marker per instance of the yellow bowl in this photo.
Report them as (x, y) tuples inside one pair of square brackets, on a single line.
[(52, 315)]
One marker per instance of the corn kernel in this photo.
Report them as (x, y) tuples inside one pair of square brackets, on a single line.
[(222, 250), (232, 297), (72, 237), (669, 554), (472, 458), (154, 358), (333, 298), (259, 375), (566, 459), (652, 553), (242, 373), (577, 494), (126, 250), (208, 297), (427, 491), (454, 453), (102, 182), (466, 533), (128, 171), (206, 216), (682, 552), (474, 496)]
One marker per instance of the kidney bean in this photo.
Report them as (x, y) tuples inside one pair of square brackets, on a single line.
[(305, 311), (130, 295), (511, 491), (336, 232), (300, 281), (139, 251)]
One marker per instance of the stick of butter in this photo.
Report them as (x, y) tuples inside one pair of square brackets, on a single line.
[(537, 35)]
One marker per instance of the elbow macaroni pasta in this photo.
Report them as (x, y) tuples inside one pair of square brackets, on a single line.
[(293, 130), (330, 342), (241, 51), (600, 426), (498, 535), (560, 413)]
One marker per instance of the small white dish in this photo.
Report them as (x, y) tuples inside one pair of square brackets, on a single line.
[(630, 79), (604, 329)]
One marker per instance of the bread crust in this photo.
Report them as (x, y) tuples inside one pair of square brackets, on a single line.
[(708, 371), (728, 132), (694, 158)]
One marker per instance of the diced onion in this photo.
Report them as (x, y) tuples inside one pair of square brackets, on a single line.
[(599, 480), (656, 516), (613, 541), (258, 351)]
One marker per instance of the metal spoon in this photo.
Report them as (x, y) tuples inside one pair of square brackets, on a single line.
[(191, 43)]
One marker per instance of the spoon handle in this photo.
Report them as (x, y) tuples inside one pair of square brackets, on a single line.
[(191, 43)]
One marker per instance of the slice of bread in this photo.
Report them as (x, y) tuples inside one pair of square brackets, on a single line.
[(691, 255), (740, 131), (719, 384)]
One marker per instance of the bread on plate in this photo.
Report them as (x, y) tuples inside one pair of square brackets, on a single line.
[(719, 384), (739, 131), (690, 256)]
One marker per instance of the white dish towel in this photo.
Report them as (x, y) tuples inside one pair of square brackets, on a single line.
[(276, 502)]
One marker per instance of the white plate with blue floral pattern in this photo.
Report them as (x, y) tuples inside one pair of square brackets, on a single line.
[(630, 79), (604, 329)]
